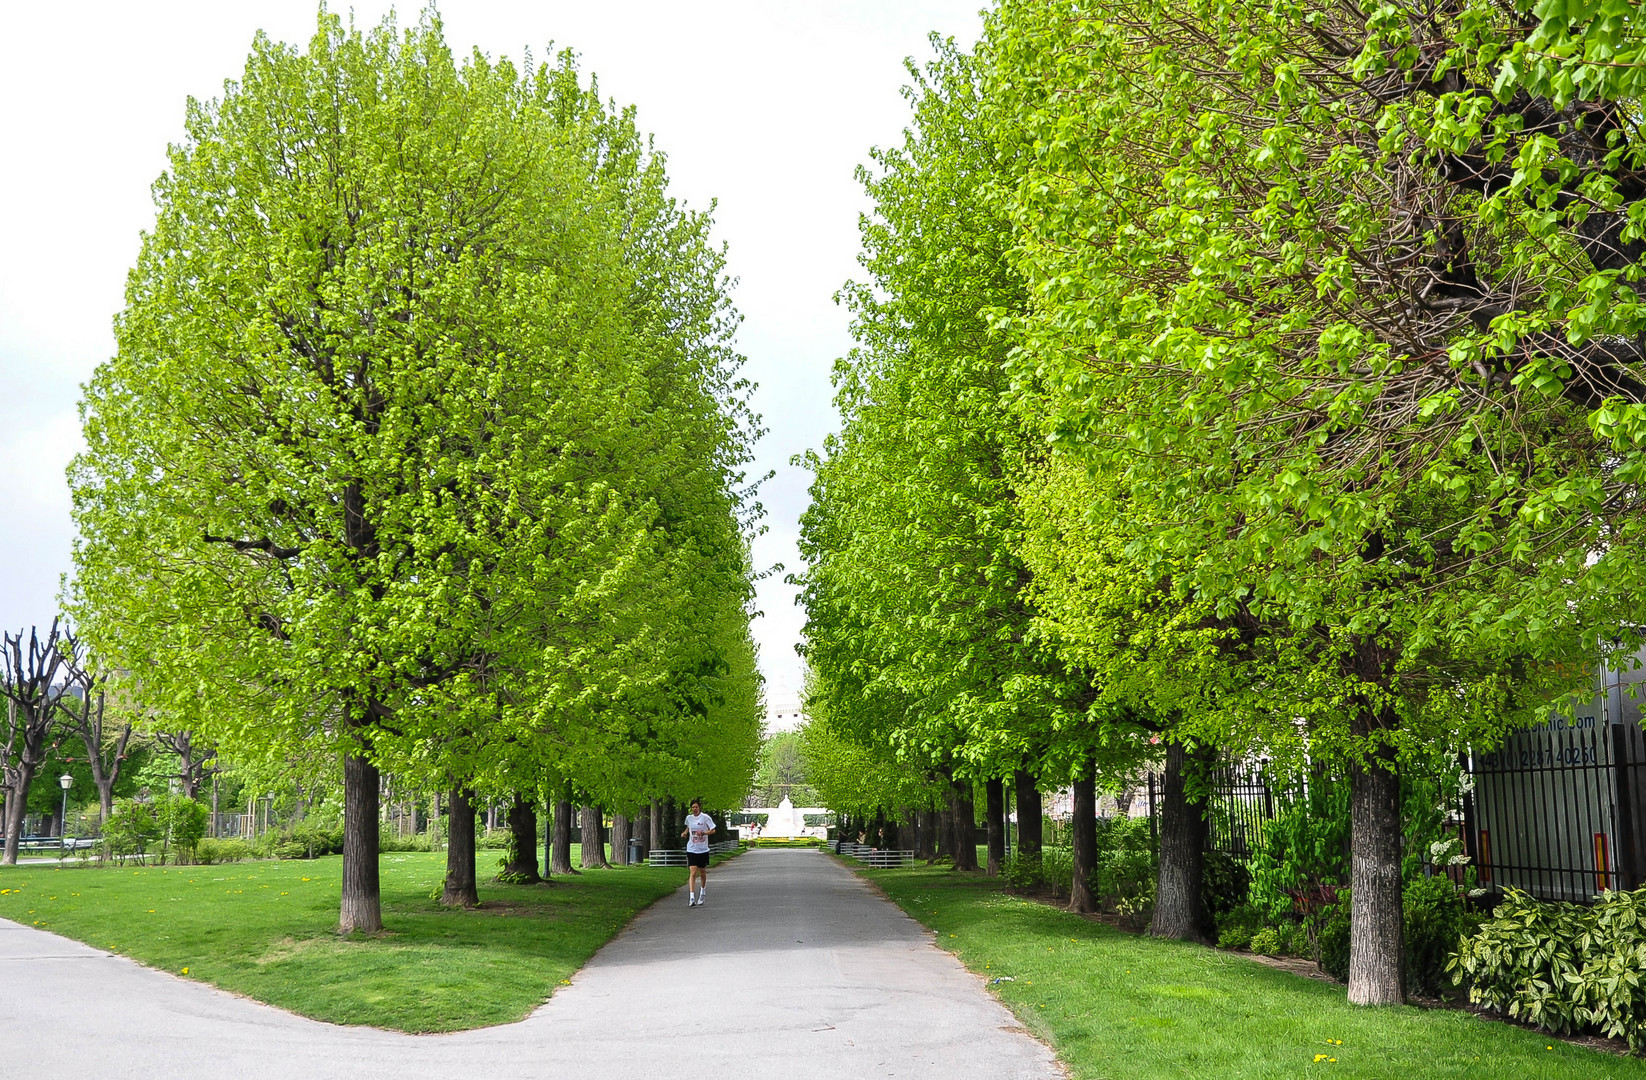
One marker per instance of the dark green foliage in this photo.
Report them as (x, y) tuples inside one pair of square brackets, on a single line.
[(1436, 921), (1237, 925), (1224, 885), (1563, 967), (318, 840), (1304, 855), (1024, 873), (1126, 860), (1332, 941)]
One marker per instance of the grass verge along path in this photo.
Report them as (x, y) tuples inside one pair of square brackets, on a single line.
[(1125, 1007), (268, 930)]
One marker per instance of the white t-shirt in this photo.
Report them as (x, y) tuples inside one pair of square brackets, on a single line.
[(700, 826)]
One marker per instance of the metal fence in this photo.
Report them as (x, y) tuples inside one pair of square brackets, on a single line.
[(1556, 811)]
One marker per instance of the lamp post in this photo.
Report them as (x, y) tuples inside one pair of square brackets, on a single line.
[(67, 782)]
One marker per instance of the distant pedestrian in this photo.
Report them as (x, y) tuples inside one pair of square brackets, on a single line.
[(698, 827)]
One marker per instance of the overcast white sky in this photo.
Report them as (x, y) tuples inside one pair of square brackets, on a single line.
[(765, 106)]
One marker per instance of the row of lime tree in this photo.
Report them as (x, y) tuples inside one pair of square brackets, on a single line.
[(1236, 379), (423, 449)]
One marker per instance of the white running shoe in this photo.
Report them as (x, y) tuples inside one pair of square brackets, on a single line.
[(700, 897), (691, 899)]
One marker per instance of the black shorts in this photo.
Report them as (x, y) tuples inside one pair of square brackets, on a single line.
[(697, 858)]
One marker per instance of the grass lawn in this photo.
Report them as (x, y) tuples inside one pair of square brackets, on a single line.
[(268, 930), (1118, 1006)]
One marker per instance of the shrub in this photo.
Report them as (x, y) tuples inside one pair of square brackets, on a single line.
[(1436, 922), (1235, 937), (316, 839), (1332, 940), (1024, 873), (132, 826), (1267, 942), (1304, 853), (1225, 884), (387, 842), (1562, 967), (210, 851), (182, 822), (1057, 867)]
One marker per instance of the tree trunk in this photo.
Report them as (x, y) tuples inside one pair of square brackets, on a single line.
[(994, 813), (1376, 930), (964, 825), (361, 908), (643, 831), (927, 834), (1178, 911), (17, 807), (522, 867), (594, 848), (560, 858), (1083, 833), (658, 838), (461, 889), (548, 838), (1030, 829), (620, 839)]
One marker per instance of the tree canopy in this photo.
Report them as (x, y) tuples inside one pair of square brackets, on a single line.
[(424, 437)]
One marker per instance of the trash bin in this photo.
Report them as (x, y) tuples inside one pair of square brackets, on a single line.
[(634, 850)]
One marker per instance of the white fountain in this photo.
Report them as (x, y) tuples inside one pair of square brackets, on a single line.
[(785, 821)]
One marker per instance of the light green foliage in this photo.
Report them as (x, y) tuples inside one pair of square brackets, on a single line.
[(782, 772), (1563, 967), (132, 828), (853, 777), (919, 627), (1399, 498), (182, 823), (423, 439)]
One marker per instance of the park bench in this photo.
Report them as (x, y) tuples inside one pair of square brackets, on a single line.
[(52, 845)]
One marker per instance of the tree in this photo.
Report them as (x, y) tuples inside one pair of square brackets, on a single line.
[(105, 748), (395, 407), (782, 772), (1338, 301), (28, 681), (919, 619)]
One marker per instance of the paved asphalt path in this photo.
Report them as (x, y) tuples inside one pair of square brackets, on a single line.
[(794, 968)]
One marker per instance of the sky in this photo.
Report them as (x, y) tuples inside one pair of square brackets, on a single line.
[(766, 107)]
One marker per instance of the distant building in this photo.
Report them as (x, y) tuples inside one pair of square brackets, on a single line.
[(784, 716)]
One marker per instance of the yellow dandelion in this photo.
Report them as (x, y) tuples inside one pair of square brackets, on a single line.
[(185, 971)]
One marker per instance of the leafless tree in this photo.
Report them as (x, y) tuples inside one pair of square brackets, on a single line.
[(29, 683)]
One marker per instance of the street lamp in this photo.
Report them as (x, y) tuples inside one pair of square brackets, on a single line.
[(67, 781)]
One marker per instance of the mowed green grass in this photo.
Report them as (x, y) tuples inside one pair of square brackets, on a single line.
[(1119, 1006), (268, 930)]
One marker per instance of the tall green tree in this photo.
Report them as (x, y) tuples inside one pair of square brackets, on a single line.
[(1340, 300), (918, 615), (383, 451)]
